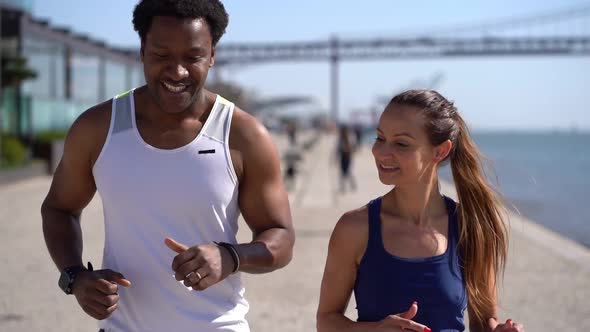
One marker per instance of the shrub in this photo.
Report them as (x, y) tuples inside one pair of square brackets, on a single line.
[(50, 136), (13, 151)]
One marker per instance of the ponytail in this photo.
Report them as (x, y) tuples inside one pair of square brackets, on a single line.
[(483, 233)]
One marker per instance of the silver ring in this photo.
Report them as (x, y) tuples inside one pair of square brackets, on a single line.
[(191, 277), (198, 275)]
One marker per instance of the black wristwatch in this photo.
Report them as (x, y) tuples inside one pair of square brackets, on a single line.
[(68, 276)]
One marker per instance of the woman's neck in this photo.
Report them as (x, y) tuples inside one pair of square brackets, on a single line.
[(417, 203)]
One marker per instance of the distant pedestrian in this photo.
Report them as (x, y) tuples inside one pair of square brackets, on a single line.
[(291, 159), (358, 129), (292, 132), (416, 259), (345, 148)]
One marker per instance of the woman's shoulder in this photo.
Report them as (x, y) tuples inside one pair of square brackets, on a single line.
[(354, 220), (357, 219), (352, 232)]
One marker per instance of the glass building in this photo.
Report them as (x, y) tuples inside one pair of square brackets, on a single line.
[(73, 72)]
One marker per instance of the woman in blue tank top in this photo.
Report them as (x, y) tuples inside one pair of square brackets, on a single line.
[(415, 259)]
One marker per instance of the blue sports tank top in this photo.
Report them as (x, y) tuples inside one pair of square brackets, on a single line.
[(387, 284)]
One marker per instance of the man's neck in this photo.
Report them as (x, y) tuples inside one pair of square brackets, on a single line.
[(153, 113)]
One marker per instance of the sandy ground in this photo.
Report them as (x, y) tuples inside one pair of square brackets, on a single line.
[(546, 286)]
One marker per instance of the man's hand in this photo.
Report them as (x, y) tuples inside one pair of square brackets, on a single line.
[(200, 266), (96, 291)]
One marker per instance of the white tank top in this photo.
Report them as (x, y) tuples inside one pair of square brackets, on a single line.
[(190, 194)]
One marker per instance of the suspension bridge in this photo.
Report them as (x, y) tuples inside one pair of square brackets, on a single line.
[(565, 32)]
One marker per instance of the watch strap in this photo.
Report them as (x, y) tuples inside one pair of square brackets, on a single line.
[(233, 252), (71, 272)]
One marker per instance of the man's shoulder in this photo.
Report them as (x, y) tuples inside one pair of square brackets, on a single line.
[(95, 117), (253, 144), (246, 128), (91, 128)]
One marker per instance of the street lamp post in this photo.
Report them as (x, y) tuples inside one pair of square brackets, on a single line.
[(334, 64)]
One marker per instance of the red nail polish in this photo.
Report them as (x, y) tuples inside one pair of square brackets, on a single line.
[(427, 329)]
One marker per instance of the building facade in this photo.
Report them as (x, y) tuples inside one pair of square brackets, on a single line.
[(73, 72)]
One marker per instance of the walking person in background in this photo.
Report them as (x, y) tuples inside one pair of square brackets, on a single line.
[(291, 160), (166, 159), (358, 134), (345, 148), (291, 156), (292, 132), (415, 258)]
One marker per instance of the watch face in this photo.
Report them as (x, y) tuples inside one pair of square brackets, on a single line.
[(64, 282)]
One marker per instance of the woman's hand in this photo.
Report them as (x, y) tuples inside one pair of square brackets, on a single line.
[(402, 322), (509, 326)]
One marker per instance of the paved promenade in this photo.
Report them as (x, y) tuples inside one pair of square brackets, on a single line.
[(546, 286)]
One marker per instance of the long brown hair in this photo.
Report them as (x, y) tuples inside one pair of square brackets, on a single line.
[(483, 232)]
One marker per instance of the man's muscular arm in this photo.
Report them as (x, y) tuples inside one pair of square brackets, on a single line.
[(262, 198), (71, 190)]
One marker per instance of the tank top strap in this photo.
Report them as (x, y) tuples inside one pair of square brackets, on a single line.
[(219, 121), (375, 241), (455, 250), (453, 220), (122, 112)]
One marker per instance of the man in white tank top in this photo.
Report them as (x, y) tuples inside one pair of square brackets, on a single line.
[(174, 165)]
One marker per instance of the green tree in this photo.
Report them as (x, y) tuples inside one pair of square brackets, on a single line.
[(14, 72)]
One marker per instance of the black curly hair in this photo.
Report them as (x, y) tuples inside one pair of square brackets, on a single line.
[(212, 11)]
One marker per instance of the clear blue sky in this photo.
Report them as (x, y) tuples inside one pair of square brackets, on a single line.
[(526, 93)]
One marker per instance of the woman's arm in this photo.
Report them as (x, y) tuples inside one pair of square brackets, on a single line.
[(347, 245)]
